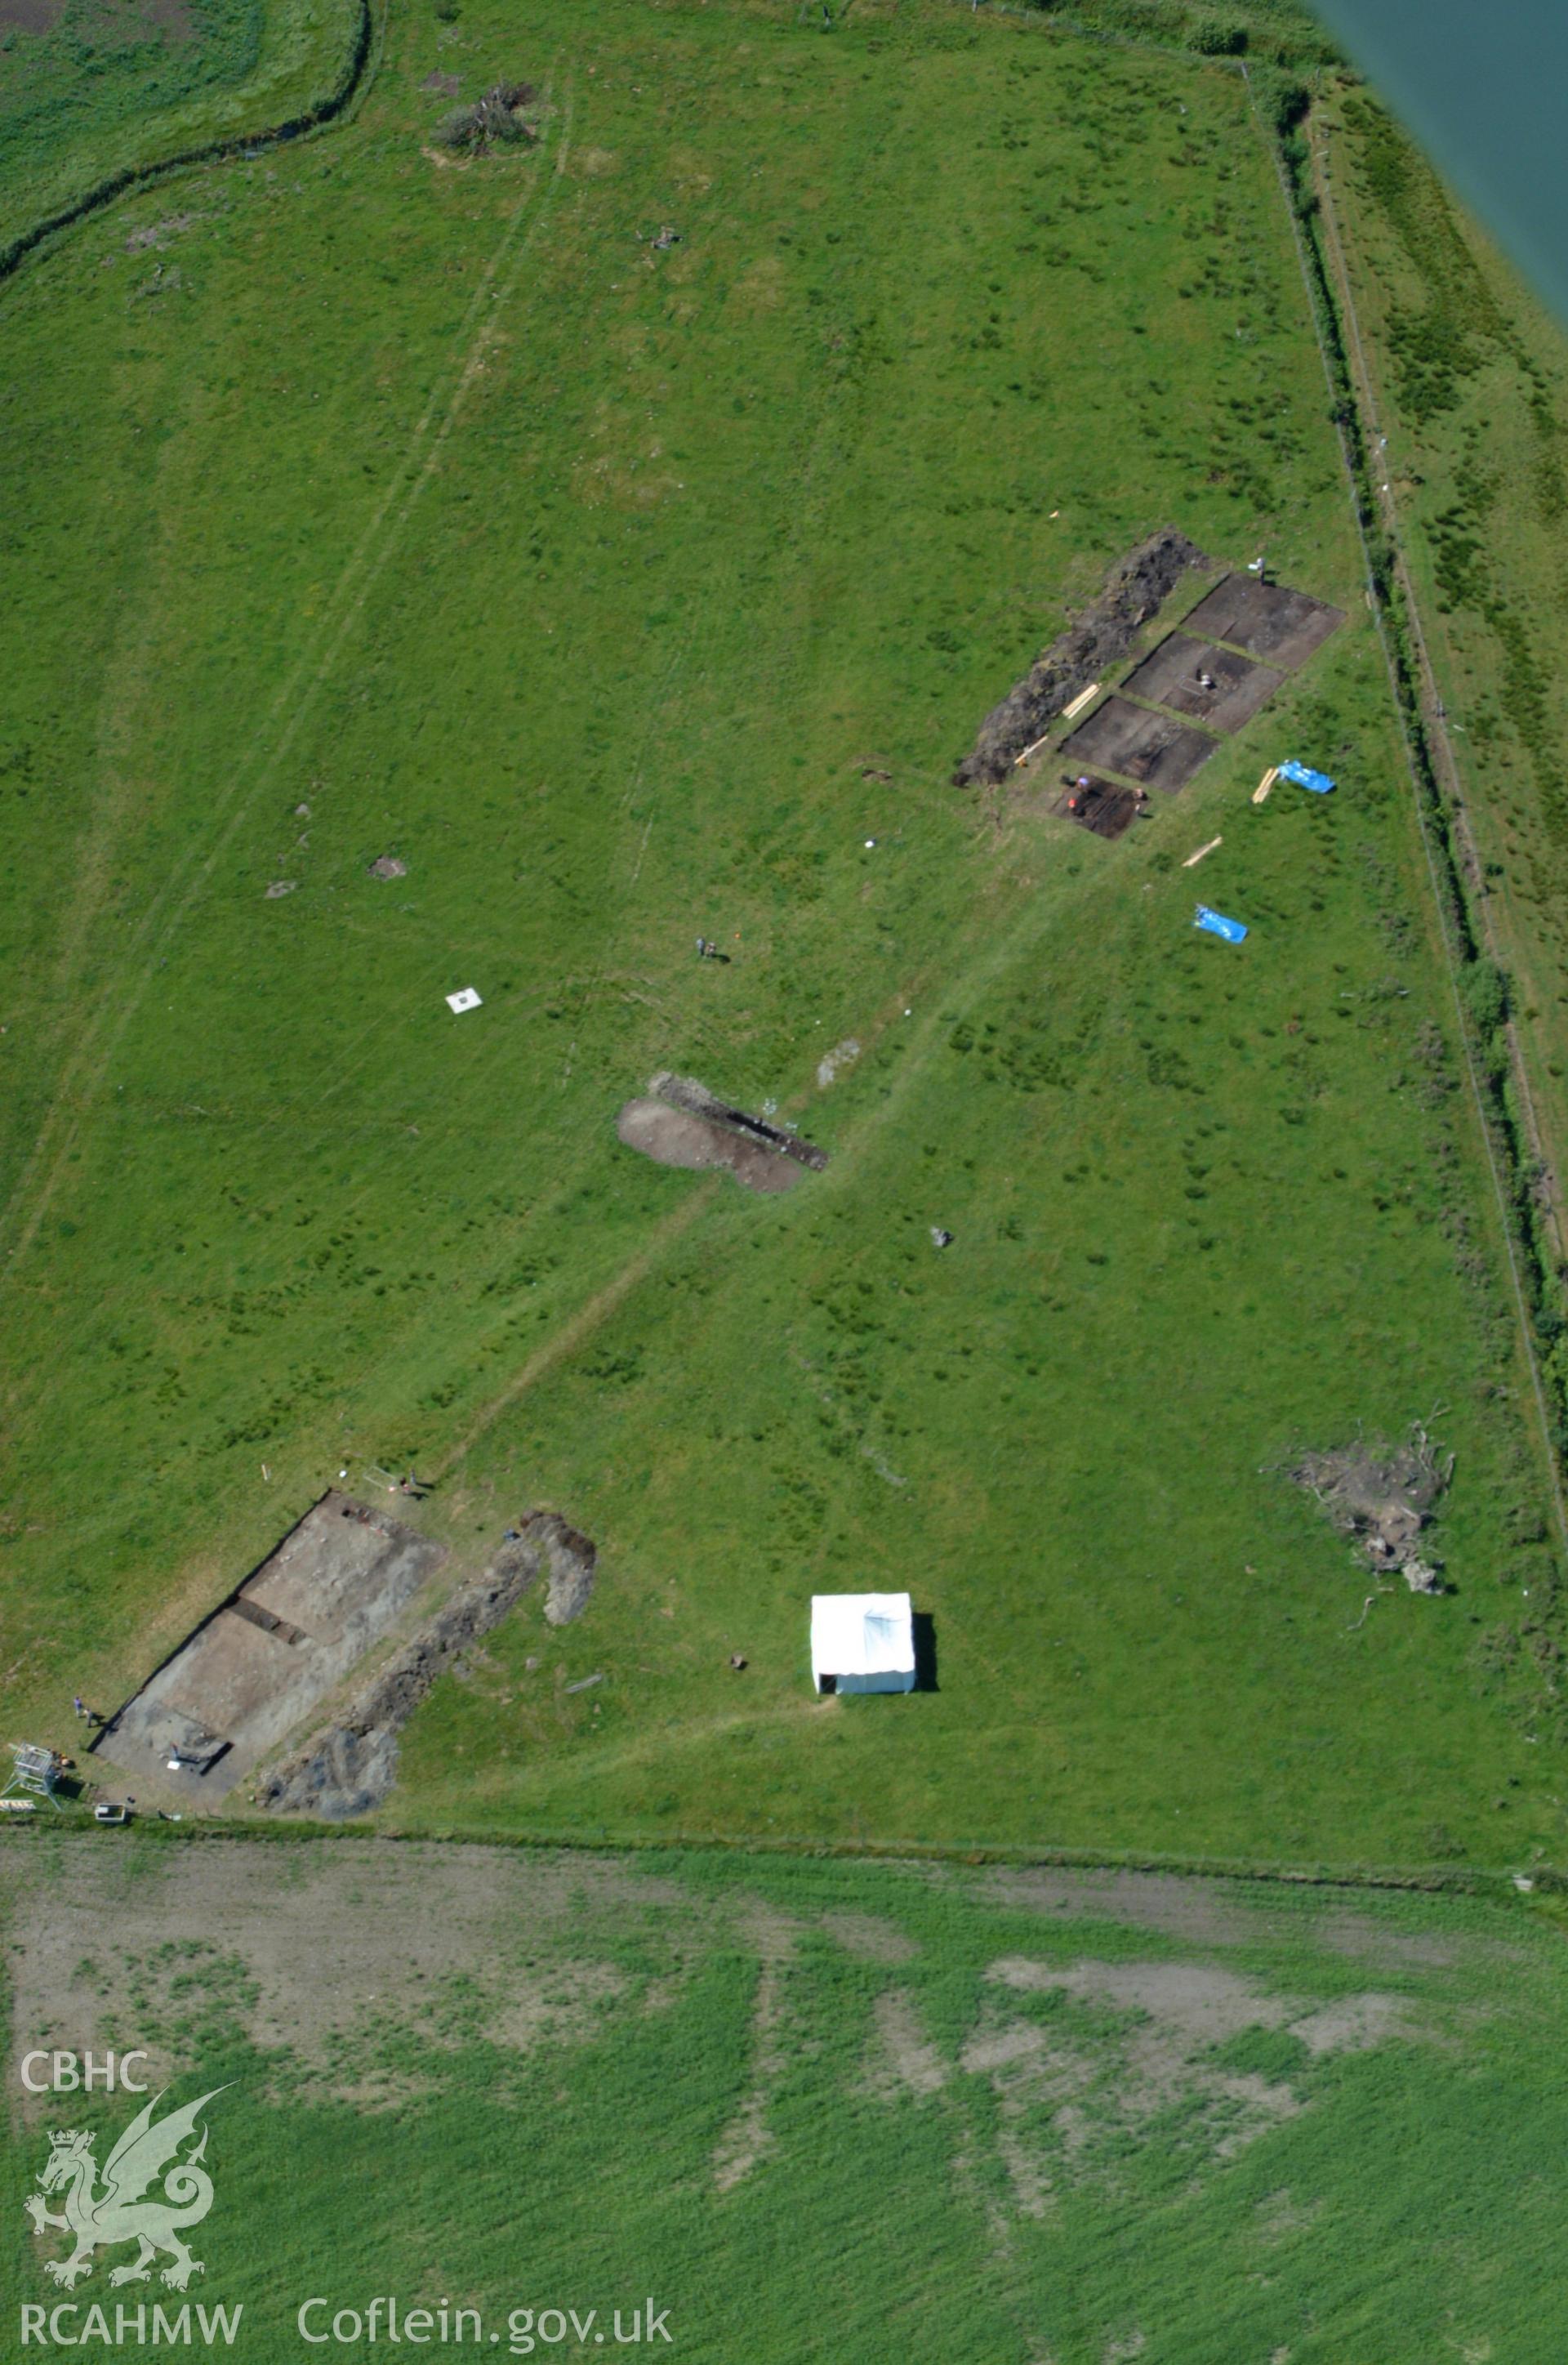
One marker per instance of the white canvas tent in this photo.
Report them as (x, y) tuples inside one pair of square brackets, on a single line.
[(862, 1642)]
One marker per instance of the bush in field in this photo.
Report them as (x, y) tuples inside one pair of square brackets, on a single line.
[(1218, 36)]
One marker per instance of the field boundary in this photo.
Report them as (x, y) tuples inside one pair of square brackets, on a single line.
[(1491, 1882), (364, 55), (1385, 573), (1434, 721)]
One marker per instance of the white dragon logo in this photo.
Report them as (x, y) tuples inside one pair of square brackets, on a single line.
[(116, 2211)]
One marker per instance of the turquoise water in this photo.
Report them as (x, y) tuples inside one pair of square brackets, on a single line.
[(1482, 85)]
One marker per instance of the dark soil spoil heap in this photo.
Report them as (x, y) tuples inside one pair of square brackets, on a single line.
[(1101, 637)]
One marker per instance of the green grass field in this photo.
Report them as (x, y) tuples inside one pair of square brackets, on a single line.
[(359, 500), (817, 2111), (407, 506)]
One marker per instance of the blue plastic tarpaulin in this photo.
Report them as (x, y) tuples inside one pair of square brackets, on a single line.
[(1218, 925), (1305, 777)]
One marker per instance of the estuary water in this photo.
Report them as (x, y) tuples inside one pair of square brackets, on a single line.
[(1482, 85)]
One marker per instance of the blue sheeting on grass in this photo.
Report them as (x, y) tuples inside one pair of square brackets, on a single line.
[(1305, 777), (1218, 925)]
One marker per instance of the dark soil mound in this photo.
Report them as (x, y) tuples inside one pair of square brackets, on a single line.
[(1135, 592)]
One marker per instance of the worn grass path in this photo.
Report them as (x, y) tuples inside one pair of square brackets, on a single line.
[(84, 1066)]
